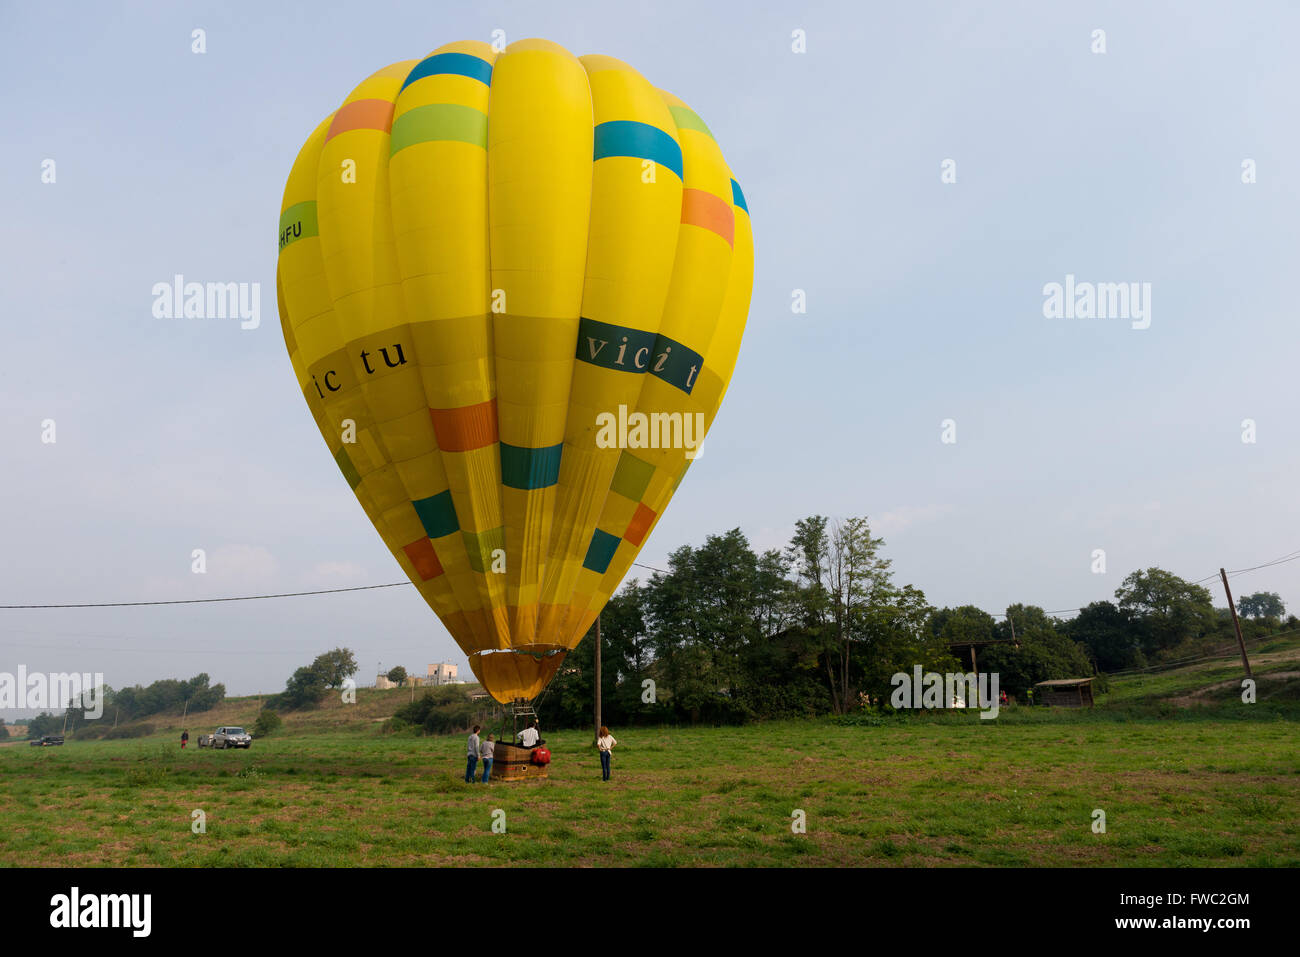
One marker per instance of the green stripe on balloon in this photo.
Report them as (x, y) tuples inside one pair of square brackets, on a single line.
[(439, 122), (688, 119), (632, 476), (480, 546), (347, 468), (298, 222)]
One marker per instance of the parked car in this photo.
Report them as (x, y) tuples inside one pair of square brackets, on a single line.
[(46, 741), (224, 738)]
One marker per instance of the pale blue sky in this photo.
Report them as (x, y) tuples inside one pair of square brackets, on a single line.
[(925, 303)]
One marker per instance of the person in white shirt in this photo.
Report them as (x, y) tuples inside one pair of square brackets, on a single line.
[(530, 737), (605, 743), (472, 748), (485, 752)]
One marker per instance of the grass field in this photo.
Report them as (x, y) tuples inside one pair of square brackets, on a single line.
[(1197, 789)]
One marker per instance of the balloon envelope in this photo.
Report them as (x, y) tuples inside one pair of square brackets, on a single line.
[(513, 286)]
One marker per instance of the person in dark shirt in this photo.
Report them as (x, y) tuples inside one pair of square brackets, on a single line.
[(472, 749)]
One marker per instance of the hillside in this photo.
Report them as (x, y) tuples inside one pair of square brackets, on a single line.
[(371, 709), (1275, 662)]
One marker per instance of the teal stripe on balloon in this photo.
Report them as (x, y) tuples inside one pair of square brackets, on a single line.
[(601, 551), (437, 514), (460, 64), (737, 197), (530, 468), (638, 140)]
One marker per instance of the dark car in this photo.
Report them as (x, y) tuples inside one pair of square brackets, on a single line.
[(46, 741)]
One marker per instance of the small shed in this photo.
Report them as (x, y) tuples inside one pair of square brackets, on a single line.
[(1067, 692)]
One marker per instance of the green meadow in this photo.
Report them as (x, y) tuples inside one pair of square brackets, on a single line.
[(1198, 786)]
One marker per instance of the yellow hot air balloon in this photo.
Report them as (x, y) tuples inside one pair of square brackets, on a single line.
[(513, 286)]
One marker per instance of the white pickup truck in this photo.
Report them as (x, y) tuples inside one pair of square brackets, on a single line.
[(226, 738)]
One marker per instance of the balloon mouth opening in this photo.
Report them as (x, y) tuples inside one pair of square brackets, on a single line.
[(508, 674), (536, 652)]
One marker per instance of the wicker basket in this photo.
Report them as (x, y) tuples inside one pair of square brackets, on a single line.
[(513, 763)]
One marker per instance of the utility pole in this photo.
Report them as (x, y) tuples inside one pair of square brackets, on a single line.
[(1235, 622), (597, 696)]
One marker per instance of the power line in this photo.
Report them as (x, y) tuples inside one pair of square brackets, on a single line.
[(1179, 662), (1289, 557), (200, 601)]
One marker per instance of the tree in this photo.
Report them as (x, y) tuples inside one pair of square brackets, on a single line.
[(336, 666), (43, 724), (4, 732), (895, 635), (1262, 604), (1109, 635), (704, 614), (862, 626), (1045, 652), (1166, 609), (397, 675), (267, 722), (962, 626), (304, 689)]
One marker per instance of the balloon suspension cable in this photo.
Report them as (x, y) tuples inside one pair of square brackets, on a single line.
[(521, 710)]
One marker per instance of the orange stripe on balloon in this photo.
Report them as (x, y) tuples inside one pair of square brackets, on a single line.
[(362, 115), (467, 428), (703, 209), (424, 559), (640, 524)]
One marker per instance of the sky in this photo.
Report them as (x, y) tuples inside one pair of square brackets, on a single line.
[(924, 320)]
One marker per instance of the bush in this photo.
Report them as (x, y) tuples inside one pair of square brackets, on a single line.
[(304, 689), (437, 711), (266, 723), (128, 731)]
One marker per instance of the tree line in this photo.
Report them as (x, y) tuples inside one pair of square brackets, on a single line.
[(728, 634), (132, 704)]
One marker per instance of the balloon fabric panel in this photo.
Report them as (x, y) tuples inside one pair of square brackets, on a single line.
[(485, 260)]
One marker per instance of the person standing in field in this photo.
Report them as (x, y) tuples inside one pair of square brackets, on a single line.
[(185, 737), (605, 742), (486, 753), (472, 748)]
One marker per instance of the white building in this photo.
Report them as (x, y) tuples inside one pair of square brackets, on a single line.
[(443, 673)]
